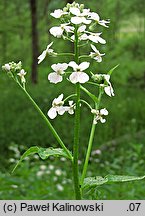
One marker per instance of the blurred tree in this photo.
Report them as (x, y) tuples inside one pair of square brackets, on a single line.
[(33, 8)]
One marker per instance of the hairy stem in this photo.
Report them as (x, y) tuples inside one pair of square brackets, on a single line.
[(76, 128), (49, 125)]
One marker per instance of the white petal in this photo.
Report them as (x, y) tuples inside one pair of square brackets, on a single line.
[(85, 21), (94, 16), (82, 77), (70, 103), (52, 113), (42, 57), (101, 40), (74, 77), (75, 11), (82, 28), (56, 31), (98, 58), (93, 38), (109, 91), (54, 78), (86, 12), (84, 37), (73, 65), (61, 110), (77, 20), (103, 23), (71, 111), (60, 98), (104, 111), (102, 120), (69, 28), (107, 78), (94, 48), (49, 45), (84, 65), (58, 13)]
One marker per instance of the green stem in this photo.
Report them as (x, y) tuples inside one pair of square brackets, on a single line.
[(84, 56), (70, 96), (90, 141), (55, 134), (65, 54), (76, 129), (85, 102)]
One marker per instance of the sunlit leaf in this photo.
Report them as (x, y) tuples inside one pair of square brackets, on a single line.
[(121, 178), (44, 153), (91, 182)]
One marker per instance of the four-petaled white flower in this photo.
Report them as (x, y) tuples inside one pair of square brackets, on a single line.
[(78, 76), (80, 17), (45, 52), (22, 74), (58, 31), (56, 77), (95, 17), (57, 107), (96, 54), (99, 115), (58, 13)]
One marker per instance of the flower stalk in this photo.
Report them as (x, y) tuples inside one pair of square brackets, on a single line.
[(77, 128)]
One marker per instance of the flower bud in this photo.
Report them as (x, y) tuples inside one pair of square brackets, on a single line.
[(6, 67), (65, 9), (97, 77), (81, 6)]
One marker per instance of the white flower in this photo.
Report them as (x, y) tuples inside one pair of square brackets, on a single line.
[(6, 67), (78, 76), (99, 115), (56, 77), (105, 78), (57, 107), (58, 13), (45, 52), (95, 17), (22, 74), (58, 31), (108, 89), (95, 37), (58, 172), (71, 107), (96, 54), (79, 16)]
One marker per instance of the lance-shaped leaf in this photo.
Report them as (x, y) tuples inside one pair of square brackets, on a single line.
[(44, 153), (92, 182), (111, 71), (30, 151), (94, 98), (120, 178)]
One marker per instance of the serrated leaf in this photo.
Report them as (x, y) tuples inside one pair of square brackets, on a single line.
[(121, 178), (91, 182), (94, 98), (111, 71), (57, 152), (30, 151)]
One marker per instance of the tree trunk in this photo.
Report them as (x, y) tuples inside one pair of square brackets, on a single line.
[(33, 8)]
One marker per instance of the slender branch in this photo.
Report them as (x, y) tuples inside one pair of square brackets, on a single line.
[(51, 128), (76, 128), (84, 56), (90, 140), (65, 54), (70, 96), (85, 102)]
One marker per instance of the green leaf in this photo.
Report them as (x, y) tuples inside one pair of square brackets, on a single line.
[(43, 153), (111, 71), (91, 182), (30, 151), (57, 152), (94, 98), (120, 178)]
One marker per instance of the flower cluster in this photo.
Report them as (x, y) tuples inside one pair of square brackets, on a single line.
[(74, 18), (14, 70), (99, 115)]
